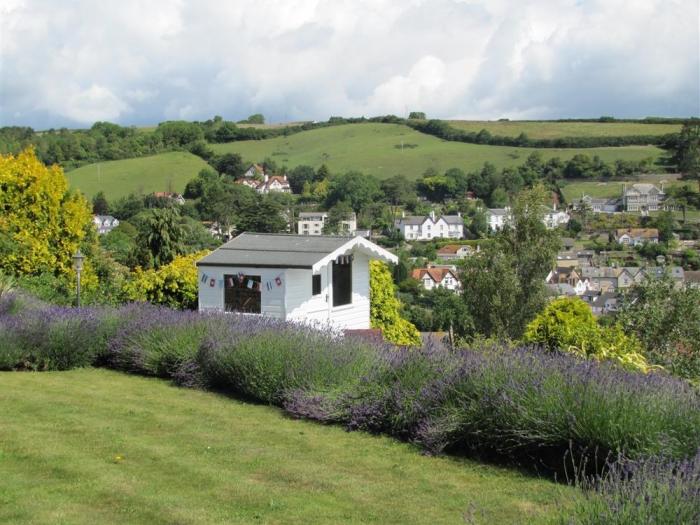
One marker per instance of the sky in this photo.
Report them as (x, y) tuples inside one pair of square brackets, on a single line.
[(69, 63)]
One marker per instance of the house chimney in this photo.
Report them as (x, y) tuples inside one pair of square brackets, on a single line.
[(459, 214), (266, 177), (284, 177), (403, 214), (432, 214)]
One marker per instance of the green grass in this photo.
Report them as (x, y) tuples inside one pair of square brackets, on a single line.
[(372, 148), (117, 178), (554, 130), (196, 457)]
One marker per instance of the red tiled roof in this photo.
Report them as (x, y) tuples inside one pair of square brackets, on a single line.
[(449, 248), (436, 274), (638, 232)]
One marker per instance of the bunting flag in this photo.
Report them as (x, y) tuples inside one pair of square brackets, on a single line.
[(268, 285), (212, 282), (278, 280), (250, 283), (229, 281), (204, 278), (221, 283)]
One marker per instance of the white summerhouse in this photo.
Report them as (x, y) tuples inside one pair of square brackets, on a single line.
[(321, 279)]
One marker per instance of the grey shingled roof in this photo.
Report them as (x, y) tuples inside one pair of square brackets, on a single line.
[(412, 219), (453, 219), (274, 250)]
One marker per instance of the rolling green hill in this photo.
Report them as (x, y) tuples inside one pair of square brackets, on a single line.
[(372, 148), (95, 446), (554, 130), (376, 149), (117, 178)]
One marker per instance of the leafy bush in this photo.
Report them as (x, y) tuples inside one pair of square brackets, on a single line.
[(666, 319), (567, 324), (173, 284), (385, 308)]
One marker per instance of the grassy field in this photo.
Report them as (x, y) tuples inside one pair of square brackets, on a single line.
[(553, 130), (95, 446), (376, 149), (164, 172), (573, 189)]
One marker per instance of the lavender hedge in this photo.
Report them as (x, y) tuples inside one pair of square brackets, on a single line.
[(633, 492), (524, 405)]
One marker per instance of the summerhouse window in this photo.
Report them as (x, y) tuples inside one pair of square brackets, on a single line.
[(316, 284), (342, 280), (242, 293)]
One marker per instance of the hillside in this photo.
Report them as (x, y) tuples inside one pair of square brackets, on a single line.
[(554, 130), (117, 178), (95, 446), (376, 149)]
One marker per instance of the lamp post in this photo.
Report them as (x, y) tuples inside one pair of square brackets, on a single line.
[(78, 265)]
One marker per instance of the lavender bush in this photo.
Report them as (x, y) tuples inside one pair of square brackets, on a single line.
[(524, 405), (649, 491)]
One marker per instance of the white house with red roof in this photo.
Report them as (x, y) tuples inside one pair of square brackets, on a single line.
[(437, 277)]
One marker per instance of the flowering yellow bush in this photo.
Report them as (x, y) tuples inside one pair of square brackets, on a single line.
[(173, 284), (385, 307)]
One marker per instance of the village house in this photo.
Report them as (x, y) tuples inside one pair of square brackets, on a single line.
[(104, 223), (437, 277), (554, 218), (607, 278), (427, 227), (568, 276), (254, 171), (604, 303), (497, 218), (598, 205), (636, 236), (175, 197), (312, 223), (309, 279), (567, 259), (451, 252), (642, 197), (257, 179), (276, 183)]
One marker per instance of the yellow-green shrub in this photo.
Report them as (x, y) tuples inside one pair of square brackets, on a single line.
[(173, 284), (385, 308), (567, 324)]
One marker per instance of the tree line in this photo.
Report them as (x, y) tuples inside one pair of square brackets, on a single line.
[(105, 141)]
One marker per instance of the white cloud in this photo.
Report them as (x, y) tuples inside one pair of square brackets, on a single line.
[(134, 62)]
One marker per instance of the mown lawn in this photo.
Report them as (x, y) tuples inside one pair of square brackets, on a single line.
[(117, 178), (554, 130), (96, 446), (376, 149)]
